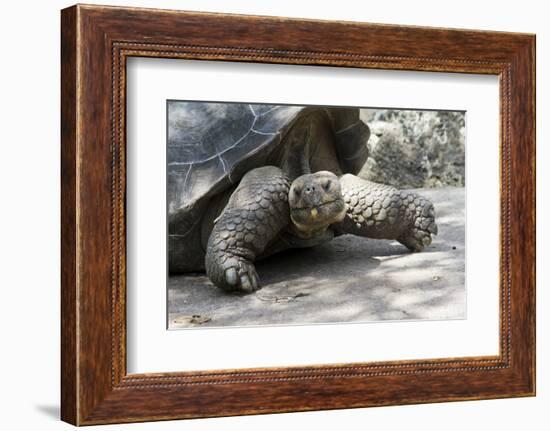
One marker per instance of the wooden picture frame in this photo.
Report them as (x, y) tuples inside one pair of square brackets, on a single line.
[(95, 43)]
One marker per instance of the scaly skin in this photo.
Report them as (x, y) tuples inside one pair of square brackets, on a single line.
[(256, 221), (381, 211), (255, 215)]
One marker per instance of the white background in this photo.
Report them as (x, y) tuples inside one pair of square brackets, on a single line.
[(153, 349), (29, 216)]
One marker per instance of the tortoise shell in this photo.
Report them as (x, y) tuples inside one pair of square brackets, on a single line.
[(212, 145)]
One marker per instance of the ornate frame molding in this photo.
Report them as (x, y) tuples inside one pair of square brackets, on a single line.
[(96, 41)]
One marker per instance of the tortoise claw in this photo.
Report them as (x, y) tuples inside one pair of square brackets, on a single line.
[(231, 277)]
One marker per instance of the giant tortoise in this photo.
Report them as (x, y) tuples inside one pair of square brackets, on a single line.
[(246, 181)]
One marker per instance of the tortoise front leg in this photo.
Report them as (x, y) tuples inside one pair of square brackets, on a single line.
[(380, 211), (255, 214)]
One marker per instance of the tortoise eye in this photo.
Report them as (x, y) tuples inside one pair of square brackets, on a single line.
[(326, 185), (297, 191)]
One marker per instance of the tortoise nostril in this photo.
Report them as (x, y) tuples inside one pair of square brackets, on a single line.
[(310, 189)]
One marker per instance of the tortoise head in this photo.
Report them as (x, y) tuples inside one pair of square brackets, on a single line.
[(316, 202)]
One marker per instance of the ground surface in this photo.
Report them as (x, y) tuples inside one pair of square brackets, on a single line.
[(350, 279)]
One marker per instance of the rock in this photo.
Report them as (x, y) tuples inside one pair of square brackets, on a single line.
[(413, 149)]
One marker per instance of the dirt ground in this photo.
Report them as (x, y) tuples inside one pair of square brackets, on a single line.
[(350, 279)]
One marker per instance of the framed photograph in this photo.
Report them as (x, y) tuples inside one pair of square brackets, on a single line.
[(266, 215)]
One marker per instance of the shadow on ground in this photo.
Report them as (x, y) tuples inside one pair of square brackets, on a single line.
[(50, 411), (350, 279)]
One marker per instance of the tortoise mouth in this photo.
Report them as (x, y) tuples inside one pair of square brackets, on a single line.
[(320, 205), (313, 217)]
